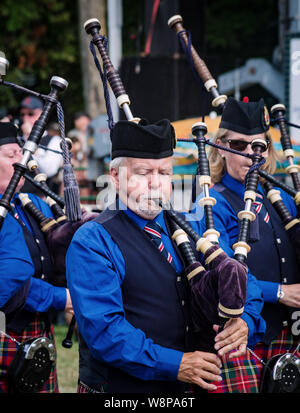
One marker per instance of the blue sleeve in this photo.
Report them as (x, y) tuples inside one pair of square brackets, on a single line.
[(95, 271), (254, 299), (16, 266), (42, 296)]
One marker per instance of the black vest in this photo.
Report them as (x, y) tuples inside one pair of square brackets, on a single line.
[(272, 258), (43, 269), (155, 300)]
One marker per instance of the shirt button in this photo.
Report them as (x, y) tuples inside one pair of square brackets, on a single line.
[(182, 302), (42, 258), (37, 241), (284, 280), (42, 276), (284, 323), (187, 328), (282, 259), (178, 279), (278, 241)]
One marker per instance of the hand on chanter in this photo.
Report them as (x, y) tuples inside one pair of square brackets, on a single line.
[(233, 336)]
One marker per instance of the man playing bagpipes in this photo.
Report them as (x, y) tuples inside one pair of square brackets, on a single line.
[(124, 272), (25, 266)]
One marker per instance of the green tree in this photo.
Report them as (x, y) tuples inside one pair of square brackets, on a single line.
[(40, 40)]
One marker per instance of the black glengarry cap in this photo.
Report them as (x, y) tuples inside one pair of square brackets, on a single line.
[(248, 118), (143, 140)]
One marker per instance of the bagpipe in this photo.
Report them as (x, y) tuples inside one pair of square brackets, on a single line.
[(26, 373), (220, 288), (198, 65), (58, 236), (71, 192), (281, 374), (39, 179), (58, 232)]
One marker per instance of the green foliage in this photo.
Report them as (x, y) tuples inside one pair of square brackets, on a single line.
[(41, 40), (133, 27)]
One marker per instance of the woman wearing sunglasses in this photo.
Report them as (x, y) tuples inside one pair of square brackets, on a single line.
[(272, 258)]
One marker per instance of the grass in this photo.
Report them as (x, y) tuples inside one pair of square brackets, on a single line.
[(67, 361)]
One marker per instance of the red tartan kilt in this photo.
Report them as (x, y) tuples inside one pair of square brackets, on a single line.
[(8, 349), (242, 374)]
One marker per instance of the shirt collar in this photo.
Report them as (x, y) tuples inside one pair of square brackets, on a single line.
[(141, 222), (236, 186)]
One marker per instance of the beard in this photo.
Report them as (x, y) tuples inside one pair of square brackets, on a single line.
[(148, 205)]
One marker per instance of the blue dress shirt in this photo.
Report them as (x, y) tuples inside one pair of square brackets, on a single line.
[(226, 222)]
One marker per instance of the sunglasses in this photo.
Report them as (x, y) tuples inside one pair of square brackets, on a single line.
[(27, 114), (239, 145)]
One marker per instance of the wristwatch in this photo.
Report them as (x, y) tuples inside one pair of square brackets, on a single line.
[(280, 293)]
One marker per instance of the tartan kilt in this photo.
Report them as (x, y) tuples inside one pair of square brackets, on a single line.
[(8, 349), (242, 374)]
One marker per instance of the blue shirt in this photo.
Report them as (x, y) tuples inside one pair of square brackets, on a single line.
[(226, 222), (16, 266), (95, 272)]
